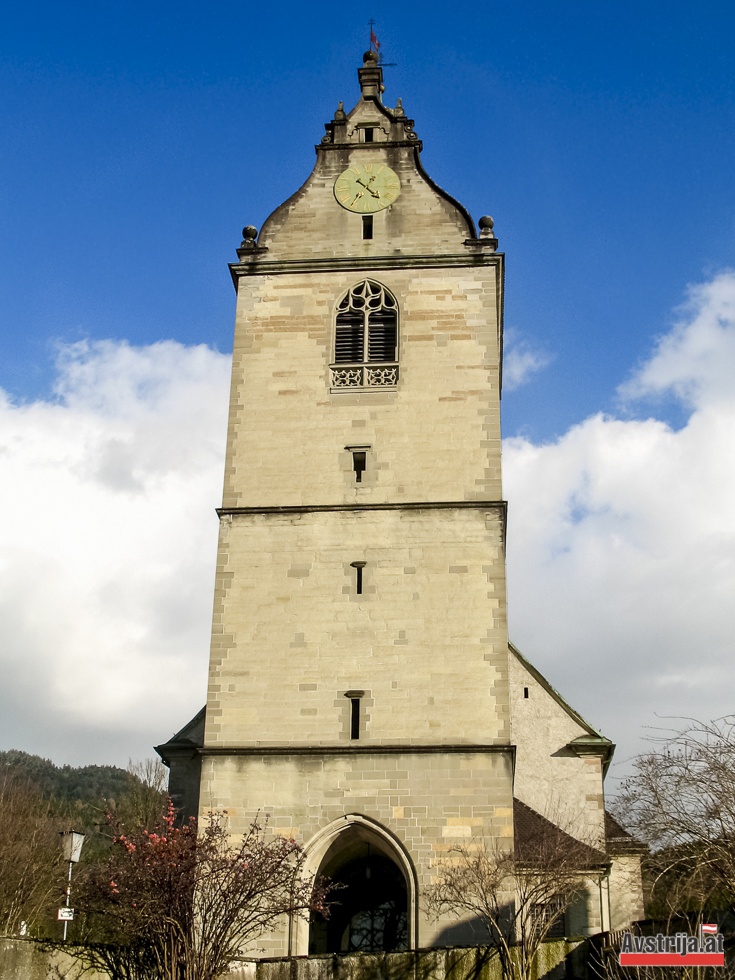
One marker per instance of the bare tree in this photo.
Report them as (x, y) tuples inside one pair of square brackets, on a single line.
[(141, 805), (31, 876), (681, 802), (519, 895), (175, 904)]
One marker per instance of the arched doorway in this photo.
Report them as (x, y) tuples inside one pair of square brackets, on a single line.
[(370, 906)]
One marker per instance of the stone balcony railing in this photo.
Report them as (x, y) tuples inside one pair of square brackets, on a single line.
[(364, 375)]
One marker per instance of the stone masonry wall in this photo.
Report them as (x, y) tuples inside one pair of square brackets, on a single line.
[(426, 640), (435, 436), (430, 802), (551, 777)]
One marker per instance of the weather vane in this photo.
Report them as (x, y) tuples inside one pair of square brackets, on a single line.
[(375, 46)]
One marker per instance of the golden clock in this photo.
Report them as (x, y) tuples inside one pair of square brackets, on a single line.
[(367, 187)]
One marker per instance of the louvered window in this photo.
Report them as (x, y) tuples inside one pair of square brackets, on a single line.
[(349, 342), (366, 338)]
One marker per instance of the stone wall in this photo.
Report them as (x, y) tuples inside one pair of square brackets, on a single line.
[(26, 959), (429, 800), (556, 960), (22, 959), (426, 639), (550, 776)]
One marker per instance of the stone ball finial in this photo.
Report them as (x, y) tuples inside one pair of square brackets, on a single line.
[(486, 224), (370, 57), (249, 234)]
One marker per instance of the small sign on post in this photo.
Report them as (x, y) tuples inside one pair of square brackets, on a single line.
[(65, 914)]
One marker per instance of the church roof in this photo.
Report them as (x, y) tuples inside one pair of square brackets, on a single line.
[(187, 739), (619, 841), (539, 842), (593, 743)]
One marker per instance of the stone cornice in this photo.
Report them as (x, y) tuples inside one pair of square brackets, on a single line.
[(370, 148), (500, 505), (257, 264), (331, 750)]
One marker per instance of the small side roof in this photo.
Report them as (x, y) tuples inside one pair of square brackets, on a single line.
[(593, 743), (538, 841), (187, 739), (619, 841)]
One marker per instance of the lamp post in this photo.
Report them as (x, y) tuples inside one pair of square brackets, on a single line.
[(71, 842)]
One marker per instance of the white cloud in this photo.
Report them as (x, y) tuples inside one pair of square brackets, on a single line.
[(108, 549), (694, 360), (520, 361), (621, 545)]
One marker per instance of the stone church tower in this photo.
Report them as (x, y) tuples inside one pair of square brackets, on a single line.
[(360, 673)]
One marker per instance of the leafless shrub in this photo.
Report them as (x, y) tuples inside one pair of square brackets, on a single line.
[(518, 895)]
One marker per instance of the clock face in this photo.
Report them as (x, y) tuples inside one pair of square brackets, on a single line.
[(367, 187)]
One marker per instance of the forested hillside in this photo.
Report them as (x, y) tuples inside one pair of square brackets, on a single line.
[(84, 783), (39, 801)]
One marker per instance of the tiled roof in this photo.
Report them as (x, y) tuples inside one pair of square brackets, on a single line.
[(540, 842), (619, 841)]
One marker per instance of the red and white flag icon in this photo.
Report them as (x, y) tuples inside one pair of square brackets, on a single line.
[(709, 929)]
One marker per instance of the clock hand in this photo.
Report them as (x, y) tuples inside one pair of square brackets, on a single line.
[(367, 186)]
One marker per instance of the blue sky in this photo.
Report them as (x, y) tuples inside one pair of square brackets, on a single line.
[(139, 138), (137, 141)]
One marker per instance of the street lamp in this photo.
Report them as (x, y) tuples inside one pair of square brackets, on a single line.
[(71, 843)]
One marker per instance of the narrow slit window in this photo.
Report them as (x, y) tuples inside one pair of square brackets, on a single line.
[(354, 718), (358, 566), (359, 464), (354, 698), (359, 460), (368, 134), (367, 227), (525, 692)]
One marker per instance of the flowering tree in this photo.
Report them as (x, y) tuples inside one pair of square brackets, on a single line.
[(176, 903)]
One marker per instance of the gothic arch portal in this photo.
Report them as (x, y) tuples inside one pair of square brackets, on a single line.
[(375, 907)]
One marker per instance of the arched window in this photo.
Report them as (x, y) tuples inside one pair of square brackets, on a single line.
[(366, 338)]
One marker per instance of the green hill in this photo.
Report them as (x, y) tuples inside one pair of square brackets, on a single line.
[(87, 784)]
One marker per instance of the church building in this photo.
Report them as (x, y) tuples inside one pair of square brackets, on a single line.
[(362, 689)]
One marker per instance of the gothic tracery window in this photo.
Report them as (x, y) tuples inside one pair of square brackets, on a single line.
[(366, 338)]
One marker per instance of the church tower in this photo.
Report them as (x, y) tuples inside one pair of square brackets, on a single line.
[(358, 685), (362, 690)]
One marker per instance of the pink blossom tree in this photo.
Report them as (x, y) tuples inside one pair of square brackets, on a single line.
[(180, 903)]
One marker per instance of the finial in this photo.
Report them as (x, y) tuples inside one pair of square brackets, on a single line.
[(486, 224), (371, 75), (340, 113), (249, 234), (398, 111)]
